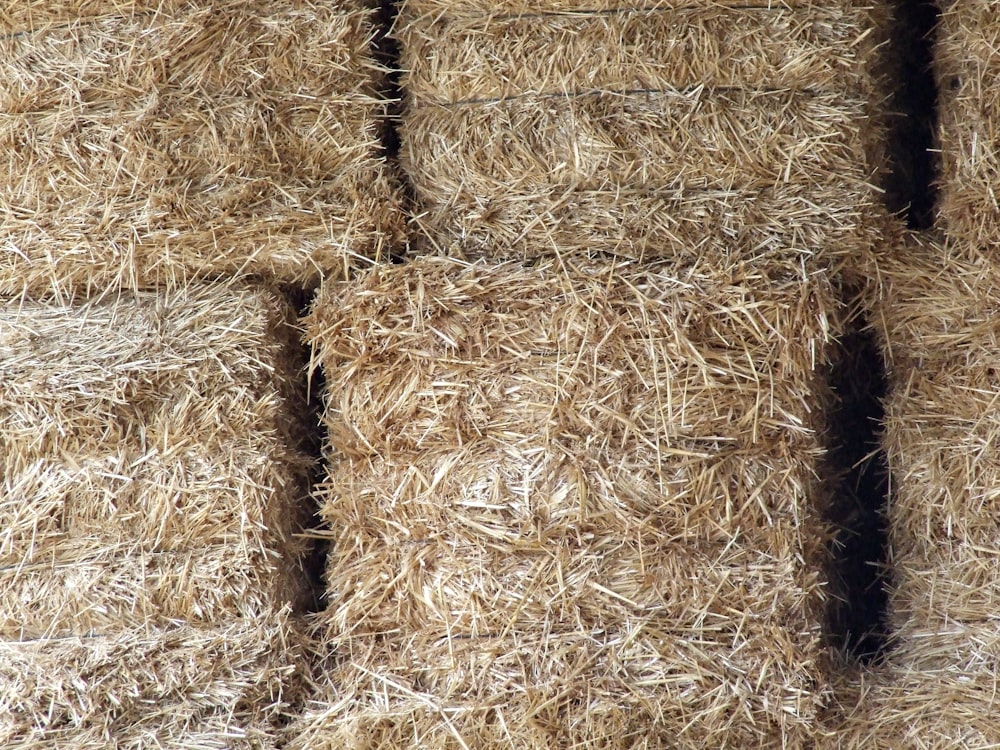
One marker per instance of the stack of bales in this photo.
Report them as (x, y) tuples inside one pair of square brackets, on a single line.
[(153, 141), (572, 454), (937, 318), (967, 60), (571, 505), (651, 129), (151, 473), (936, 309), (154, 470)]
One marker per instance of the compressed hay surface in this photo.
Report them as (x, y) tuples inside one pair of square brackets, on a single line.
[(937, 318), (176, 687), (967, 61), (667, 143), (149, 143), (151, 480), (570, 506)]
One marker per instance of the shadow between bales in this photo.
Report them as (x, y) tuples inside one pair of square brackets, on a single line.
[(857, 479), (317, 544), (912, 123)]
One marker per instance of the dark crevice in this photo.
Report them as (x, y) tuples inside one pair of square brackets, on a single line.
[(311, 442), (386, 51), (910, 184), (857, 481)]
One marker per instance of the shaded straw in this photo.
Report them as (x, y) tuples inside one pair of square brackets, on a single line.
[(571, 505), (967, 65), (152, 475), (936, 315), (154, 142), (690, 130)]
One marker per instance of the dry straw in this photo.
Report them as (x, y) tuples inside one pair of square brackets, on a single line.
[(151, 475), (693, 129), (152, 142), (967, 62), (571, 505), (936, 313)]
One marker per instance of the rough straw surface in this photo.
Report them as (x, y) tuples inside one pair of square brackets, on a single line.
[(149, 479), (693, 129), (149, 142), (571, 505), (967, 62), (937, 316)]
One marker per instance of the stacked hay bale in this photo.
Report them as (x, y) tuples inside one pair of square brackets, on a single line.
[(967, 62), (692, 129), (572, 451), (152, 479), (153, 141), (937, 318), (571, 505)]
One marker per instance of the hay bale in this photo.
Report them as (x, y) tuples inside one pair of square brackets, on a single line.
[(690, 131), (153, 142), (152, 473), (967, 62), (571, 505), (937, 318)]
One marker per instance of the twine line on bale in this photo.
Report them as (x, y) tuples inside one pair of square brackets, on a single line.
[(513, 149), (191, 139), (151, 487), (570, 504)]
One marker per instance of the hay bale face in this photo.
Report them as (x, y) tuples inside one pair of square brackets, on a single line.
[(151, 143), (967, 64), (570, 507), (151, 481), (690, 131), (936, 316)]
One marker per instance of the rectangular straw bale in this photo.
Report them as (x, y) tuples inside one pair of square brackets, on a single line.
[(691, 129), (174, 687), (152, 142), (152, 475), (937, 319), (571, 505), (141, 435), (967, 61)]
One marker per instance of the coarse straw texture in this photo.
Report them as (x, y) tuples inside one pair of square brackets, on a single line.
[(936, 313), (967, 63), (692, 130), (571, 505), (152, 479), (149, 143)]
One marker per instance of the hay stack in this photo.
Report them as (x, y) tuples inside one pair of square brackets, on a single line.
[(152, 142), (967, 61), (692, 130), (570, 506), (937, 317), (150, 485)]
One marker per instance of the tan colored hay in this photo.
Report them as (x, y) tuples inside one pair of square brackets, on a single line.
[(690, 130), (571, 505), (152, 142), (151, 479), (937, 317), (967, 62)]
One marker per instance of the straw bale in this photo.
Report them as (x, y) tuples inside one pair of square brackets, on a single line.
[(152, 477), (571, 505), (176, 687), (152, 142), (937, 318), (690, 130), (967, 62)]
